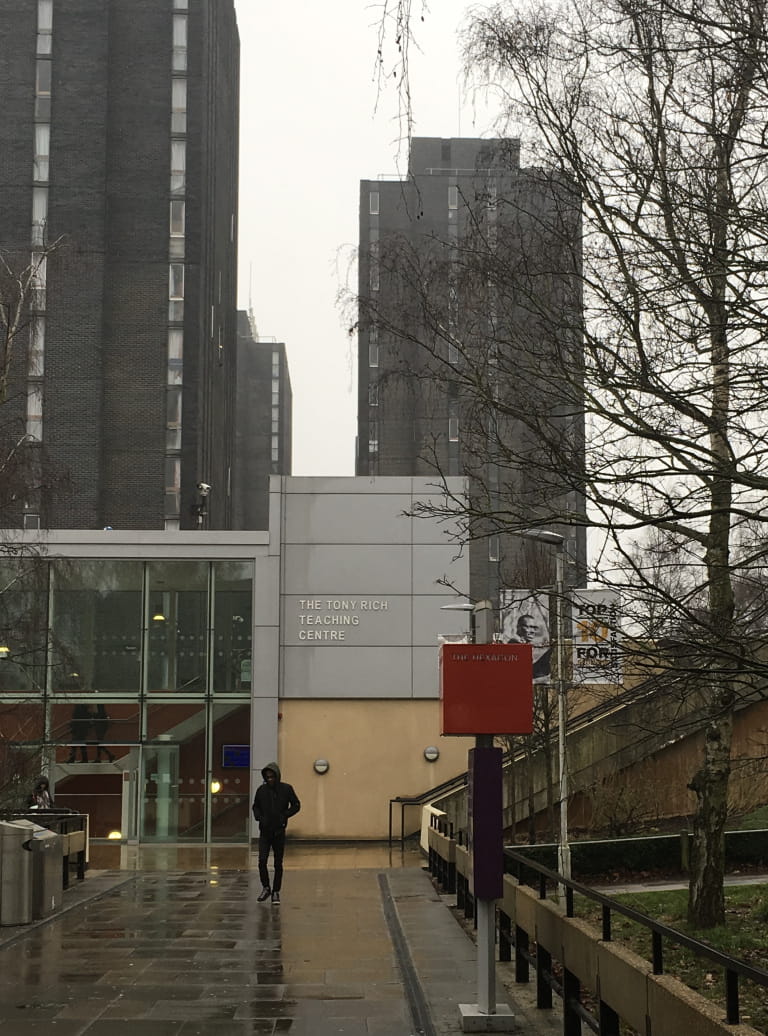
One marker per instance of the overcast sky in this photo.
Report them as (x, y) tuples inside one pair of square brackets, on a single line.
[(310, 131)]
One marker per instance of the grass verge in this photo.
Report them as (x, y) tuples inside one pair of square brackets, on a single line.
[(742, 936)]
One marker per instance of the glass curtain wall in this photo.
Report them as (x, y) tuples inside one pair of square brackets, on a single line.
[(129, 683)]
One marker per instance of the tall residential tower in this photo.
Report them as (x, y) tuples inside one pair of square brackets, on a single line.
[(118, 190), (462, 263)]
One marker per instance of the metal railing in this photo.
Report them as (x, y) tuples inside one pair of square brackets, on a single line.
[(527, 872)]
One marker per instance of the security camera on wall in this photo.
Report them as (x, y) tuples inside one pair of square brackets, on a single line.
[(204, 488)]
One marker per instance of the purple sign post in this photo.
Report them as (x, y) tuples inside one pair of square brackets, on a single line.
[(485, 822)]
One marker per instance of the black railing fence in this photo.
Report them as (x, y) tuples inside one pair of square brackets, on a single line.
[(452, 871)]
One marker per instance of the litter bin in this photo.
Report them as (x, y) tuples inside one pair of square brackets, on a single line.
[(46, 850), (15, 873)]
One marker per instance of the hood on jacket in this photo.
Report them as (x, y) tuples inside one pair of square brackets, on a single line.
[(275, 770)]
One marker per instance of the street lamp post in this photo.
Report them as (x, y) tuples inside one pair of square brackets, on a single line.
[(558, 541)]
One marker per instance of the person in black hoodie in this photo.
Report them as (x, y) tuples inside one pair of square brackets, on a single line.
[(274, 802)]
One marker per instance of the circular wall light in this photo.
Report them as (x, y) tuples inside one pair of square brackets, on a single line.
[(431, 753), (321, 766)]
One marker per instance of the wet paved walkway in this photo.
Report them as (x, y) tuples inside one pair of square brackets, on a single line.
[(360, 946)]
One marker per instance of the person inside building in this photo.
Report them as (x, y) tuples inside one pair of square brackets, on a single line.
[(273, 804), (100, 725), (80, 729), (40, 797)]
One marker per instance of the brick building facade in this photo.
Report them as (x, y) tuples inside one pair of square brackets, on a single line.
[(118, 184), (454, 273)]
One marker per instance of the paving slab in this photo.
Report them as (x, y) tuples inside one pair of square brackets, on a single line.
[(362, 950)]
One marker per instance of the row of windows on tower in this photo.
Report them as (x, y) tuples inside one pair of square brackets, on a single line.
[(374, 200)]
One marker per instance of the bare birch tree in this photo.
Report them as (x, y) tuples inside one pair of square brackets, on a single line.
[(624, 365)]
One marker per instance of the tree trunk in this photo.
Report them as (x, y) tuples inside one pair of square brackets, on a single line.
[(706, 900)]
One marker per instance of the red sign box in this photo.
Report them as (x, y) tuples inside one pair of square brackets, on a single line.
[(486, 688)]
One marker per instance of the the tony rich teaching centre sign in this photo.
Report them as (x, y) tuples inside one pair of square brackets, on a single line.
[(334, 618)]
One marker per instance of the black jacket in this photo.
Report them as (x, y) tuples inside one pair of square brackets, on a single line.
[(273, 806)]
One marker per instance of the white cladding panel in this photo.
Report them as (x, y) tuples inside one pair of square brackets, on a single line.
[(348, 672), (348, 518), (362, 586), (345, 570)]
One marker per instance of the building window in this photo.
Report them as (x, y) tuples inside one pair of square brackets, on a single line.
[(178, 166), (43, 89), (275, 365), (173, 419), (373, 394), (176, 291), (178, 105), (179, 43), (36, 364), (31, 520), (39, 215), (172, 486), (453, 196), (180, 5), (373, 203), (374, 266), (44, 26), (175, 356), (38, 279), (42, 152), (494, 553), (176, 281), (275, 449), (178, 218), (35, 411), (373, 437), (373, 354), (453, 421)]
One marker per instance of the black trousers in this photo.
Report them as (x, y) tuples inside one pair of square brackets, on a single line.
[(275, 841)]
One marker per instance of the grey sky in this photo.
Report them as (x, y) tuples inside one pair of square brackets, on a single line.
[(310, 131)]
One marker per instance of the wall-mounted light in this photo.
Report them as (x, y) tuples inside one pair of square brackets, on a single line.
[(158, 617), (4, 651), (215, 787), (431, 753), (115, 836), (321, 766)]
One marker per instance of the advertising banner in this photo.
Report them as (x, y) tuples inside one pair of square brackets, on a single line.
[(525, 620), (596, 618)]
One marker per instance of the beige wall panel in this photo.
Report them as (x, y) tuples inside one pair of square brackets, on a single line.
[(580, 950), (375, 750), (675, 1010), (625, 974)]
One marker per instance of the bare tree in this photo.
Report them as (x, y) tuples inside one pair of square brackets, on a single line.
[(611, 372)]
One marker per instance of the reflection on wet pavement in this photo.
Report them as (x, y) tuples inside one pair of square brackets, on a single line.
[(186, 949), (299, 856)]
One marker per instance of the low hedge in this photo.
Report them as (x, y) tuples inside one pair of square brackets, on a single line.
[(668, 853)]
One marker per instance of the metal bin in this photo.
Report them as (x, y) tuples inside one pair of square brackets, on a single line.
[(15, 873)]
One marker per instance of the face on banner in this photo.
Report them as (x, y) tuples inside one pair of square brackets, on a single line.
[(525, 620)]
